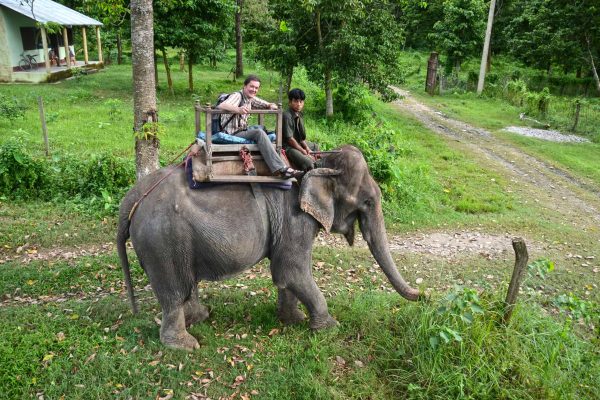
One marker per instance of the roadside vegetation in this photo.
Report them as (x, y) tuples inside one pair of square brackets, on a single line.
[(67, 327)]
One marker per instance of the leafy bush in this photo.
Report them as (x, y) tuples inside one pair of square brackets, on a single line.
[(20, 174), (538, 102), (96, 181), (10, 108), (516, 92)]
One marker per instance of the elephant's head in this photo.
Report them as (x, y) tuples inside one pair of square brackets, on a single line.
[(342, 192)]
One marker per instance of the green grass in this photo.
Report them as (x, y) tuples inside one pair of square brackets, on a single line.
[(67, 329), (68, 332)]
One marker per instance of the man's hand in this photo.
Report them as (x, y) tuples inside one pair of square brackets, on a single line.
[(244, 109), (273, 106)]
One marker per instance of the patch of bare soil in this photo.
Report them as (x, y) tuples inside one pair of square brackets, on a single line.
[(439, 244)]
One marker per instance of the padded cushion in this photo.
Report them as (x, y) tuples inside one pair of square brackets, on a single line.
[(225, 138)]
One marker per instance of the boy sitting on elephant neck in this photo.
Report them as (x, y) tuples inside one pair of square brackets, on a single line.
[(239, 104), (297, 149)]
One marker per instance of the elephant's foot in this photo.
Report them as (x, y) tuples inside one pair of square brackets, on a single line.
[(195, 313), (323, 323), (182, 341), (291, 316)]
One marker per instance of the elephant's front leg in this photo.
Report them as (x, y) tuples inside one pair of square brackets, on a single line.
[(295, 276), (287, 307)]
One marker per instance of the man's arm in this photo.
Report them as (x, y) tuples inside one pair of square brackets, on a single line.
[(294, 144), (232, 104), (263, 104)]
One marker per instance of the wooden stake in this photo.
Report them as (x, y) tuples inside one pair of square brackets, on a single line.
[(43, 120), (521, 258)]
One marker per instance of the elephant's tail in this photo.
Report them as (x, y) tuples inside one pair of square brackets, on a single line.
[(122, 236)]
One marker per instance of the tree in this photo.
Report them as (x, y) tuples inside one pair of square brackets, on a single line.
[(201, 27), (239, 62), (144, 94), (459, 33), (343, 43), (543, 33)]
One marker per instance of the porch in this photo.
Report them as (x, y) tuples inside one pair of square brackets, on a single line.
[(42, 74)]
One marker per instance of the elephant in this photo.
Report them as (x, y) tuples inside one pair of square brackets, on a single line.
[(182, 236)]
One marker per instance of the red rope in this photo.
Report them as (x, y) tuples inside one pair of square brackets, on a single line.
[(174, 167), (247, 158)]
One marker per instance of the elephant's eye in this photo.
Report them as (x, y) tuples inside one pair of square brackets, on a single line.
[(368, 203)]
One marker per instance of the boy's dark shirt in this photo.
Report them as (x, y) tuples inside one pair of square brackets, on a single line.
[(293, 126)]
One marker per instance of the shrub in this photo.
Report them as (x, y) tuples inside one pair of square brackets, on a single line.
[(538, 102), (10, 108), (20, 174), (516, 92), (96, 181)]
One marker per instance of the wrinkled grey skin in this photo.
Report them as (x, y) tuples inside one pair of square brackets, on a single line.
[(182, 236)]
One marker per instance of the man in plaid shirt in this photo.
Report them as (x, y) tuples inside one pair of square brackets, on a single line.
[(239, 105)]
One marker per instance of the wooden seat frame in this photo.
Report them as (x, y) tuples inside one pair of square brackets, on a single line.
[(223, 160)]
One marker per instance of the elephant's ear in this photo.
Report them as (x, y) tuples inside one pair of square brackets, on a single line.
[(316, 195)]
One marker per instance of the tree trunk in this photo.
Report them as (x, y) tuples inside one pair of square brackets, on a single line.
[(328, 94), (190, 75), (239, 62), (144, 93), (594, 70), (485, 55), (327, 72), (181, 61), (156, 71), (288, 79), (119, 49), (168, 70)]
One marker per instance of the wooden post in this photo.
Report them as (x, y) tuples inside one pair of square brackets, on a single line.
[(279, 121), (45, 46), (521, 258), (577, 111), (44, 129), (66, 44), (99, 41), (197, 117), (432, 65), (85, 51)]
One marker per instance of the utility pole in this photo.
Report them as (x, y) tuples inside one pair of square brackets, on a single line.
[(486, 46)]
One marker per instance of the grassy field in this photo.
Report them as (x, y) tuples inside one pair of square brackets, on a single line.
[(67, 330)]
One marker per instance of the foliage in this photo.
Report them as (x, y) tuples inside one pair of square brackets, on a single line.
[(318, 34), (100, 176), (459, 34), (459, 310), (201, 27), (11, 108), (20, 174), (577, 308), (547, 32)]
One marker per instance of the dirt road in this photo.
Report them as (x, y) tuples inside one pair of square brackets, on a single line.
[(571, 199)]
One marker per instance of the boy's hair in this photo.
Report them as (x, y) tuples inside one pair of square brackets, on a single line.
[(251, 78), (296, 94)]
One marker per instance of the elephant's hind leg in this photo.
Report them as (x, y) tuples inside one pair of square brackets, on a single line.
[(173, 333), (287, 308), (193, 310)]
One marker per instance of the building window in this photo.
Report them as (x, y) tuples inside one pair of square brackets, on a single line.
[(30, 37)]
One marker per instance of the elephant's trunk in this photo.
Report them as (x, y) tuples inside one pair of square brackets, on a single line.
[(373, 230)]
